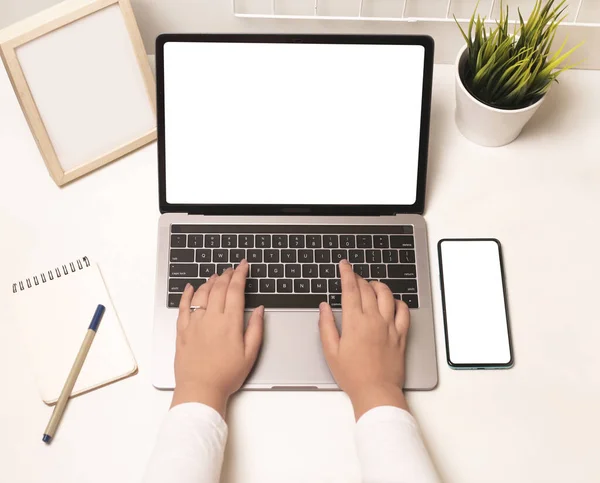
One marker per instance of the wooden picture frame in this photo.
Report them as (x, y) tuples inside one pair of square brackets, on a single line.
[(45, 96)]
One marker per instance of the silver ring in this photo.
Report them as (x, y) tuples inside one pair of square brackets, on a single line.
[(193, 308)]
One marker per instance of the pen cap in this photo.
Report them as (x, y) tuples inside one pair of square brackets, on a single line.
[(97, 317)]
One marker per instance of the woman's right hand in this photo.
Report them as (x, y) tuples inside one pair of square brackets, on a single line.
[(367, 360)]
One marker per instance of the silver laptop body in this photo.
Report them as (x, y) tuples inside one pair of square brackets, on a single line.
[(291, 356)]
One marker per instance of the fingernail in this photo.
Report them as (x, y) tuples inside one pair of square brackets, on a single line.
[(214, 275), (261, 310), (244, 261), (187, 285), (345, 262)]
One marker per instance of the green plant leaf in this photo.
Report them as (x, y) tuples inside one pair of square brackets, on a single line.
[(513, 70)]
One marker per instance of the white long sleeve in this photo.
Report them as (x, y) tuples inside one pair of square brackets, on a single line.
[(390, 448), (192, 441), (190, 446)]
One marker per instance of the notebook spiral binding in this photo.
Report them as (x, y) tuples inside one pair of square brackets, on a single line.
[(57, 272)]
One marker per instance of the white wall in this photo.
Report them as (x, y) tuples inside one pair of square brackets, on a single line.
[(157, 16)]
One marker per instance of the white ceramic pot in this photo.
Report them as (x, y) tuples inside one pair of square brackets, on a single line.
[(483, 124)]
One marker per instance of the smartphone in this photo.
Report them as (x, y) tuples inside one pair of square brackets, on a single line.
[(474, 305)]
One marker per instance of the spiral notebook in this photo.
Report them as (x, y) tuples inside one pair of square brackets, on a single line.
[(53, 309)]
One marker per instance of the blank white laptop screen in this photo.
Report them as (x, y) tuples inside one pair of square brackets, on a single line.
[(268, 123)]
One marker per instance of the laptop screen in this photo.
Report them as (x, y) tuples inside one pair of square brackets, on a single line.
[(292, 123)]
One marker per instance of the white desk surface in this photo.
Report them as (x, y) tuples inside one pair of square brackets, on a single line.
[(537, 422)]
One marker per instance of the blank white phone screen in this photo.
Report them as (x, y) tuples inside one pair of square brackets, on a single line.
[(307, 124), (476, 319)]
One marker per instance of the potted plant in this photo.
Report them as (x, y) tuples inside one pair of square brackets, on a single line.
[(502, 77)]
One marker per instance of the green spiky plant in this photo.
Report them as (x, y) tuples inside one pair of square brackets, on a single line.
[(514, 70)]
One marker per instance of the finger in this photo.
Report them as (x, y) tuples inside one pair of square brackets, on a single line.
[(183, 319), (402, 320), (202, 294), (385, 300), (351, 299), (330, 337), (254, 334), (216, 301), (235, 301), (367, 295)]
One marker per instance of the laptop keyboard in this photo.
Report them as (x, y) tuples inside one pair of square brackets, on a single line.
[(293, 266)]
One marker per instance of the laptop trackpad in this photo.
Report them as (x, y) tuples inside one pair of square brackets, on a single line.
[(291, 354)]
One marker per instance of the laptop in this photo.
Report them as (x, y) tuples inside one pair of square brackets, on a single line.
[(293, 152)]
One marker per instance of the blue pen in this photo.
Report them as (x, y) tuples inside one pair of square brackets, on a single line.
[(61, 404)]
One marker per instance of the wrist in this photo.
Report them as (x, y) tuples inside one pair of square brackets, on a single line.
[(370, 397), (212, 397)]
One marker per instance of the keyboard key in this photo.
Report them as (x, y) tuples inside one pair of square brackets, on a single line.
[(207, 269), (189, 270), (327, 271), (258, 270), (263, 241), (301, 286), (347, 241), (251, 285), (322, 256), (402, 271), (401, 286), (220, 255), (357, 256), (182, 255), (330, 241), (195, 241), (407, 256), (361, 269), (267, 285), (335, 301), (174, 299), (402, 241), (390, 256), (305, 256), (335, 286), (310, 271), (288, 256), (296, 241), (378, 271), (318, 286), (229, 241), (254, 256), (373, 256), (284, 285), (212, 241), (237, 255), (412, 300), (246, 241), (339, 255), (276, 270), (381, 241), (178, 240), (221, 267), (313, 241), (203, 255), (364, 241), (272, 256), (293, 271), (280, 241), (178, 284), (284, 301)]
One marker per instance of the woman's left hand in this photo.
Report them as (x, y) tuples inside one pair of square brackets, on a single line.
[(214, 355)]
